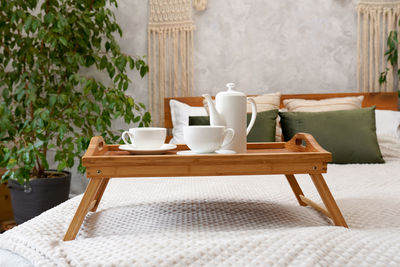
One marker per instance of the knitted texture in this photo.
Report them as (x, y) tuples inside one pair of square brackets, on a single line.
[(376, 19), (170, 51), (224, 221)]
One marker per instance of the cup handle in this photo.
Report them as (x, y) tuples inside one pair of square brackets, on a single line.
[(253, 114), (229, 133), (123, 137)]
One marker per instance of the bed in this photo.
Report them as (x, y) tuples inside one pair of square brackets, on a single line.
[(229, 220)]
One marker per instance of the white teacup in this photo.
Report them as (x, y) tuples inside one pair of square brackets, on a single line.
[(207, 139), (146, 137)]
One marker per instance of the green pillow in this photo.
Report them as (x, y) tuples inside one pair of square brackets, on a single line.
[(263, 129), (350, 135)]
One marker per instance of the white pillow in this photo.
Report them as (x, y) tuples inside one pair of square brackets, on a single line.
[(390, 146), (328, 104), (387, 122), (180, 113)]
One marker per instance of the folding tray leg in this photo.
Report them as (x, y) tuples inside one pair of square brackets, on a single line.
[(87, 203), (296, 188), (328, 200), (100, 193)]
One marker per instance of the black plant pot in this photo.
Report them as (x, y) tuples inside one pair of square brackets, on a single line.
[(46, 193)]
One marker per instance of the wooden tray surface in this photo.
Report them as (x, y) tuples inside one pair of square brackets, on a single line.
[(291, 157), (252, 148)]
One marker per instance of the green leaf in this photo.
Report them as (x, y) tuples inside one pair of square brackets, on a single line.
[(63, 41), (107, 46), (70, 162), (131, 101), (48, 18), (81, 169), (143, 71), (5, 176), (88, 87), (131, 63), (61, 166), (126, 85), (52, 100), (382, 78), (98, 124), (103, 62), (26, 157), (96, 109), (5, 94), (11, 163), (136, 119), (61, 132), (28, 23), (111, 71), (120, 62), (147, 117), (35, 25)]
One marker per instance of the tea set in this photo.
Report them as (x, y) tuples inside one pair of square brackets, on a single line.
[(226, 133)]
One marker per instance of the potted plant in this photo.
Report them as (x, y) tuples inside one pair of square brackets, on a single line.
[(49, 108)]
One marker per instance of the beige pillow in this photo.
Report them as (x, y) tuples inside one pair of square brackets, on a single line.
[(266, 102), (328, 104)]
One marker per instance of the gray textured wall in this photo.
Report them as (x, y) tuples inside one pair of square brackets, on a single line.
[(289, 46), (297, 46)]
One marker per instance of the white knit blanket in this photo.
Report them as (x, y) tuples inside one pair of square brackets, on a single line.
[(234, 220)]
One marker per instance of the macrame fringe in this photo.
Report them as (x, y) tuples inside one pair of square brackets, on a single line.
[(375, 20), (200, 5), (170, 52)]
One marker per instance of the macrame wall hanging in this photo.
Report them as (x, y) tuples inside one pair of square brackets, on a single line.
[(170, 52), (200, 5), (376, 18)]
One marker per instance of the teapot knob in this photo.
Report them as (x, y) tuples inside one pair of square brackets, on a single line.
[(230, 86)]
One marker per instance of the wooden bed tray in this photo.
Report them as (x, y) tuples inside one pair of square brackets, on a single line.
[(302, 154)]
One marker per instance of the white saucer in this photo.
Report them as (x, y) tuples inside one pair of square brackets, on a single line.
[(190, 152), (147, 151)]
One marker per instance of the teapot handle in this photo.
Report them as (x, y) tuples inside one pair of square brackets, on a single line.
[(253, 114), (229, 133)]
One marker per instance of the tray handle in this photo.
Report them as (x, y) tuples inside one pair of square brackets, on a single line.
[(304, 142), (96, 146)]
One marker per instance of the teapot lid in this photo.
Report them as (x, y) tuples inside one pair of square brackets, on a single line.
[(230, 91)]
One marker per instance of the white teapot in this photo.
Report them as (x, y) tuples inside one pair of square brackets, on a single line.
[(230, 110)]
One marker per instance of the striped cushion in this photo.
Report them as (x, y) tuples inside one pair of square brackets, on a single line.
[(329, 104), (266, 102)]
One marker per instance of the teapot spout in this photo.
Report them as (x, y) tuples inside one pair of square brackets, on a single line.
[(216, 118)]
